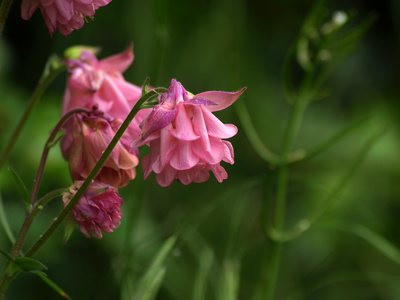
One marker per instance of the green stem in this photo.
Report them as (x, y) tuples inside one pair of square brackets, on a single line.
[(48, 75), (255, 141), (275, 253), (47, 147), (4, 9), (93, 173), (32, 211)]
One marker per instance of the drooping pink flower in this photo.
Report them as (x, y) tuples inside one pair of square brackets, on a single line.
[(87, 137), (185, 138), (99, 209), (92, 83), (64, 15)]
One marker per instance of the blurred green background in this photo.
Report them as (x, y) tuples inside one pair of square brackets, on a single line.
[(220, 45)]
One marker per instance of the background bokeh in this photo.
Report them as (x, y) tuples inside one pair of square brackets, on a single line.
[(220, 45)]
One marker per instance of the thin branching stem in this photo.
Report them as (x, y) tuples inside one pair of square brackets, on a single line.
[(47, 147), (94, 171)]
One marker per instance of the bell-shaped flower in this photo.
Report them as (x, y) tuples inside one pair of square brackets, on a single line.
[(97, 211), (186, 140), (87, 137), (92, 83), (64, 15)]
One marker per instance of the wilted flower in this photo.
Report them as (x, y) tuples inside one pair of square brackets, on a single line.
[(64, 15), (99, 209), (86, 138), (185, 138)]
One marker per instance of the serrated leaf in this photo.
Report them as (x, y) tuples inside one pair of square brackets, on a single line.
[(22, 190), (6, 255), (4, 223), (29, 264), (51, 284)]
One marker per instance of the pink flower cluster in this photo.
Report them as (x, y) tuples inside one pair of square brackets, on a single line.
[(64, 15), (186, 140)]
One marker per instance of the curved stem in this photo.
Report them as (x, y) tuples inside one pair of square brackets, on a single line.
[(47, 147), (255, 141), (94, 171), (272, 268), (48, 75), (4, 9)]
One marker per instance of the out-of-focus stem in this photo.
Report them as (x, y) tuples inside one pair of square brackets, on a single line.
[(4, 9), (275, 252), (46, 79)]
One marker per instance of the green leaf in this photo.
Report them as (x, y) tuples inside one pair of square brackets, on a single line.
[(150, 282), (51, 284), (69, 228), (29, 264), (5, 224), (22, 190), (145, 88), (6, 255)]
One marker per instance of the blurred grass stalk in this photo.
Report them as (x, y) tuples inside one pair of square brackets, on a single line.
[(320, 47), (53, 67)]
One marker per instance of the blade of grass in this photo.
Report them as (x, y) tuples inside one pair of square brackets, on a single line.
[(4, 222), (150, 280), (200, 281)]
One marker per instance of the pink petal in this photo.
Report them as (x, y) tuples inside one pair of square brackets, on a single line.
[(215, 153), (219, 172), (187, 176), (183, 125), (119, 62), (222, 99), (168, 146), (216, 128), (65, 9), (165, 178), (184, 158), (146, 166), (200, 129), (228, 156), (28, 7), (203, 174)]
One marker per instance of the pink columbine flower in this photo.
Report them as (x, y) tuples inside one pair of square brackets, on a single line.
[(99, 209), (92, 83), (64, 15), (185, 138), (86, 138)]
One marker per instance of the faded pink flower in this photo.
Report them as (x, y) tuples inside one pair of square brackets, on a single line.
[(64, 15), (99, 209), (92, 83), (185, 138), (86, 138)]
